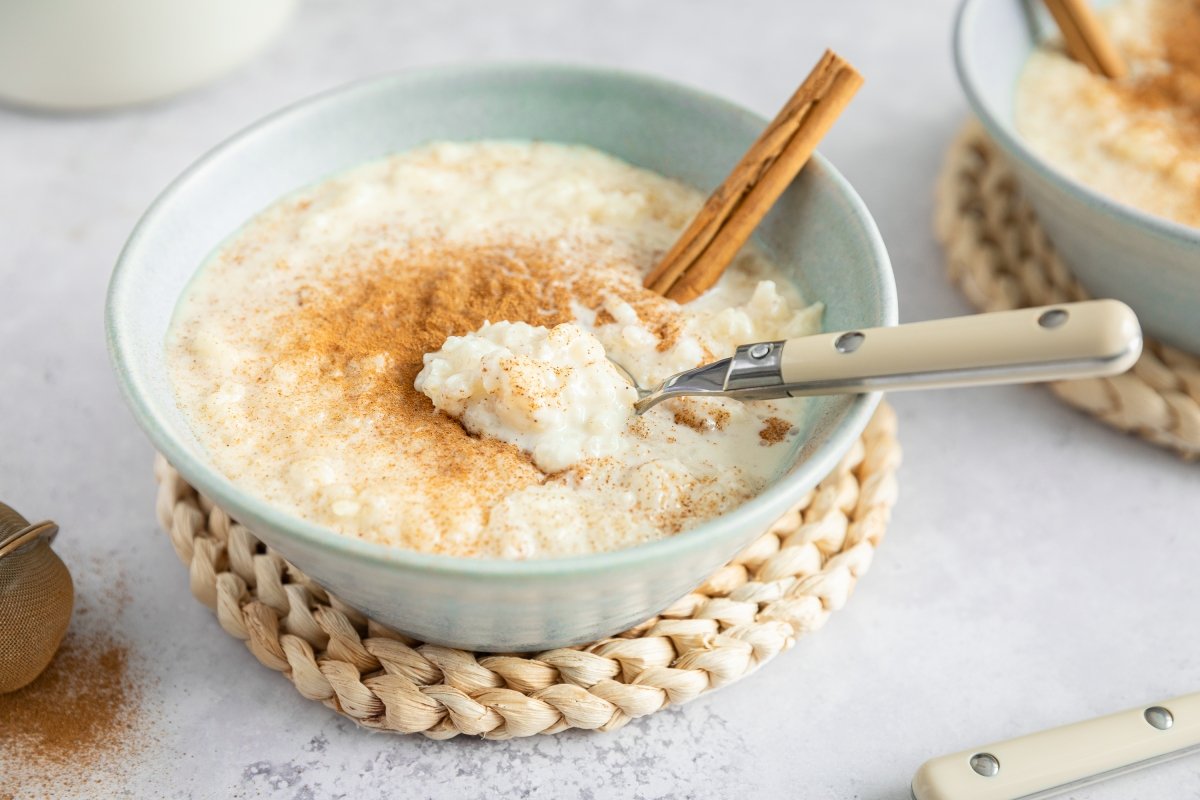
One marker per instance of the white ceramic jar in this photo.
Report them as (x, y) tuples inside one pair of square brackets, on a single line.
[(88, 54)]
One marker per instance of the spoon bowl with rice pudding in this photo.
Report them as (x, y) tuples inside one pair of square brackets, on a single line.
[(375, 327)]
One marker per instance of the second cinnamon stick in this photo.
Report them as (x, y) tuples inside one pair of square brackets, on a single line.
[(1085, 38)]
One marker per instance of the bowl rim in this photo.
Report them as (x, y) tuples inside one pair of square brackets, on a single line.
[(1014, 143), (774, 501)]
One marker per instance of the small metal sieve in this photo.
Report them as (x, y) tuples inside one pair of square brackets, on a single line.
[(36, 598)]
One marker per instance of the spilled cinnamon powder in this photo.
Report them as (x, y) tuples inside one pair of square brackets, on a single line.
[(65, 729), (70, 708), (80, 725)]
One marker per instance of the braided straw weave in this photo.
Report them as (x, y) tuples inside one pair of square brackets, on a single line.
[(782, 586), (1001, 259)]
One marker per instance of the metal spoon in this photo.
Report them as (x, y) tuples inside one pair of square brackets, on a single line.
[(1072, 340)]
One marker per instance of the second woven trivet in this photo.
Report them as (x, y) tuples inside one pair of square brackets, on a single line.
[(1000, 257), (784, 585)]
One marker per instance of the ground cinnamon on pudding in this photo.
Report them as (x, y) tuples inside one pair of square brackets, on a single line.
[(603, 317), (774, 430), (404, 305), (699, 418), (1173, 86), (1135, 139)]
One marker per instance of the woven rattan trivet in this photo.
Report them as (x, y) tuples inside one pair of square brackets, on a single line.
[(1001, 258), (784, 585)]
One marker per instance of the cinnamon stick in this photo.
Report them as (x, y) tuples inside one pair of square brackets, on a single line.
[(733, 211), (1086, 40)]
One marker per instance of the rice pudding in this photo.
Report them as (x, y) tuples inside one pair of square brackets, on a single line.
[(416, 352), (1136, 139)]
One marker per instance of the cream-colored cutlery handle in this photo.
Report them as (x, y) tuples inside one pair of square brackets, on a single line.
[(1071, 340), (1046, 763)]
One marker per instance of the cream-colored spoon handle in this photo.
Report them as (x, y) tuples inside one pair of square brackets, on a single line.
[(1072, 340), (1046, 763)]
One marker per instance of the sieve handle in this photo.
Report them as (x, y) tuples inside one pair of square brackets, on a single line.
[(22, 537)]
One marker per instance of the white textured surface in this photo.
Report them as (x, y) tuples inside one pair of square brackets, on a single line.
[(1040, 569)]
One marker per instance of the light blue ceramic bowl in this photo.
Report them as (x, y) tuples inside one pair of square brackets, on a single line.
[(820, 230), (1115, 250)]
